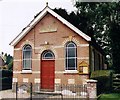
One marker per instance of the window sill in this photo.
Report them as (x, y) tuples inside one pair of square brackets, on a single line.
[(70, 72), (26, 72)]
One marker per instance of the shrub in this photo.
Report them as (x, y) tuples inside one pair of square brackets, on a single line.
[(6, 83), (6, 73), (5, 79), (104, 78)]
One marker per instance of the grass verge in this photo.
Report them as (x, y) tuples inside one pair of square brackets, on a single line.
[(111, 96)]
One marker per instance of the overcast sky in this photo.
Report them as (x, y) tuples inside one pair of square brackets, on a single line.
[(17, 14)]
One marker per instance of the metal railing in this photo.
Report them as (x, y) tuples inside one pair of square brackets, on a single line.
[(72, 91), (23, 90), (31, 91)]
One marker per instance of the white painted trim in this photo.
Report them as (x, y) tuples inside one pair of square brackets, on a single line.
[(60, 46), (59, 72), (26, 71), (83, 58), (38, 72), (16, 72), (37, 80), (84, 45), (33, 72), (91, 81), (39, 17), (69, 24), (19, 60), (57, 81), (14, 80), (70, 71), (56, 72)]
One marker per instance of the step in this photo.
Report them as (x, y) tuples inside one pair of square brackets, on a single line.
[(118, 83), (116, 79), (116, 75)]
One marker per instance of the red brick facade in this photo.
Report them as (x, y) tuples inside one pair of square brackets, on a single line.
[(51, 34)]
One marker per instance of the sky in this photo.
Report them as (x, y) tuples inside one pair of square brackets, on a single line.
[(17, 14)]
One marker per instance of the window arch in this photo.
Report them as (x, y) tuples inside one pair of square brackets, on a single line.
[(27, 57), (71, 56), (48, 55)]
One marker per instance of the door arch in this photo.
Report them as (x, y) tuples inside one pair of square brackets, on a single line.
[(47, 70)]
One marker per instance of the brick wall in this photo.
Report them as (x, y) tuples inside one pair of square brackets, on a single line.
[(50, 30)]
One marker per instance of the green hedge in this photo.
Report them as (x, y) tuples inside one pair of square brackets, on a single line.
[(101, 73), (5, 79), (6, 83), (6, 73), (104, 78)]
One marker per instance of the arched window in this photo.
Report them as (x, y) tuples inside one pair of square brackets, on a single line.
[(48, 55), (71, 56), (27, 57)]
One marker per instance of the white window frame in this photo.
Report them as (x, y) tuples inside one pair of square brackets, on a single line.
[(48, 58), (67, 58), (23, 59)]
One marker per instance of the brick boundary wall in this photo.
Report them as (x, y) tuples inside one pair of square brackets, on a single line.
[(92, 88)]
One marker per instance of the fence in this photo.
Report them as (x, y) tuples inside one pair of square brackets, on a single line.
[(61, 91), (72, 91), (28, 90), (22, 90)]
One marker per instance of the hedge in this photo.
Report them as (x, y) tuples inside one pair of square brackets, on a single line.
[(104, 78), (5, 79), (6, 73)]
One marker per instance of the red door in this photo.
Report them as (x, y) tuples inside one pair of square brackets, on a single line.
[(47, 74)]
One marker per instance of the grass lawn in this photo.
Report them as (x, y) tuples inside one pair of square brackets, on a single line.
[(111, 96)]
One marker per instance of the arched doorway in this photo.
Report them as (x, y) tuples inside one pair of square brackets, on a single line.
[(47, 70)]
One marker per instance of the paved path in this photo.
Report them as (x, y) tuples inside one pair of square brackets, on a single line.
[(6, 94), (9, 95)]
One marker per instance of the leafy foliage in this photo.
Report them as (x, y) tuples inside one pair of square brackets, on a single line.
[(100, 76), (100, 20), (99, 73), (8, 61), (105, 21)]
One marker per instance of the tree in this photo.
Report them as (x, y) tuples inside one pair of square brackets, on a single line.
[(100, 21), (8, 59), (105, 21)]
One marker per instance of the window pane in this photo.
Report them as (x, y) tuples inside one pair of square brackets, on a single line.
[(71, 52), (48, 55), (27, 55), (27, 48), (71, 64), (71, 56), (71, 45), (27, 64)]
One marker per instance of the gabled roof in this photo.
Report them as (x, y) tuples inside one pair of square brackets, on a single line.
[(39, 17)]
